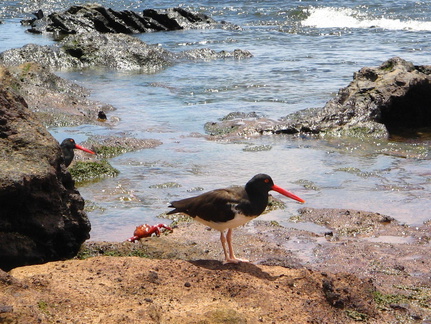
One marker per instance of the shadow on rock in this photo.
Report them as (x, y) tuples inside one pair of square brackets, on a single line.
[(244, 267)]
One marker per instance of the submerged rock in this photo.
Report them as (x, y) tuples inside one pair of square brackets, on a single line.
[(379, 102), (42, 214)]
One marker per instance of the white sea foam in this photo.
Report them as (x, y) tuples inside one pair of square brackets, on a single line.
[(349, 18)]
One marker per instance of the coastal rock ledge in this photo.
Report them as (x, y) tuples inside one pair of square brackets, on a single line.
[(392, 99), (86, 18), (42, 217)]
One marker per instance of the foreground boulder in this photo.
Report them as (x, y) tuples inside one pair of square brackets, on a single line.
[(42, 217), (93, 17), (390, 99)]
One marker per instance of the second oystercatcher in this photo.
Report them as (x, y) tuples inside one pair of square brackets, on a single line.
[(67, 147), (225, 209)]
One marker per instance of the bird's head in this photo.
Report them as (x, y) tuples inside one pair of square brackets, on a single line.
[(263, 183), (69, 143)]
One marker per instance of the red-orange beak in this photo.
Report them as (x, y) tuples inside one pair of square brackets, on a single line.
[(84, 149), (287, 193)]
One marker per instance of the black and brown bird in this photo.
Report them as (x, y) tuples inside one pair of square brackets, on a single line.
[(67, 147), (226, 209)]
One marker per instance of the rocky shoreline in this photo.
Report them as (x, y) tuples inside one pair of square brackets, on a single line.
[(366, 268)]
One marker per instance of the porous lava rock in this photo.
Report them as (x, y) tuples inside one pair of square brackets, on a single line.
[(393, 98), (42, 217)]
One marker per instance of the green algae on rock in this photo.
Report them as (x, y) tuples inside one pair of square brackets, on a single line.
[(112, 146), (91, 171)]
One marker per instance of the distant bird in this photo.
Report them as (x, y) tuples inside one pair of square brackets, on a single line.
[(229, 208), (101, 116), (67, 147)]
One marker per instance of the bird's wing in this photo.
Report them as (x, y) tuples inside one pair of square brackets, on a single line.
[(215, 205)]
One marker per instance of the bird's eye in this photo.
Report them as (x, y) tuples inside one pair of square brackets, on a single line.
[(266, 180)]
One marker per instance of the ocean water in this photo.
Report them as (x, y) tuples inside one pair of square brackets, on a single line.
[(303, 53)]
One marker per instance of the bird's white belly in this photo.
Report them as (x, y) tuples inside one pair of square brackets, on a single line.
[(239, 220)]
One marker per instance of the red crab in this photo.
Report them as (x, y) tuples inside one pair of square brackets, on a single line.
[(146, 230)]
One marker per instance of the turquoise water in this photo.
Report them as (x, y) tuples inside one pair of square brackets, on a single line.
[(304, 52)]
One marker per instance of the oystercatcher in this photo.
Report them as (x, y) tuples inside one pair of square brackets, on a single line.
[(67, 147), (225, 209)]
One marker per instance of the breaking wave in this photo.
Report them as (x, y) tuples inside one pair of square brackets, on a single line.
[(330, 17)]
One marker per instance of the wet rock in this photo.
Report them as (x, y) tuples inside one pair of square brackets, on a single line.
[(116, 51), (112, 51), (47, 56), (92, 171), (42, 217), (87, 169), (86, 18), (240, 126), (56, 101), (378, 102), (209, 54), (112, 146), (383, 101), (178, 18), (351, 223)]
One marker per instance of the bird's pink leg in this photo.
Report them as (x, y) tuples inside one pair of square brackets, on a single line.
[(229, 257), (223, 243)]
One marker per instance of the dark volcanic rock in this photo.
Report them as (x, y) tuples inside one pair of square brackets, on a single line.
[(93, 17), (379, 101), (42, 217), (389, 99)]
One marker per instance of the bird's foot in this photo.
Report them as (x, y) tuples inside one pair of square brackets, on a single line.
[(234, 260)]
